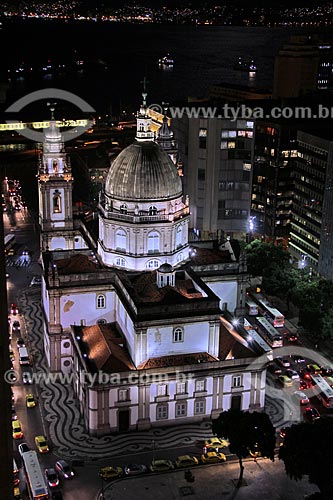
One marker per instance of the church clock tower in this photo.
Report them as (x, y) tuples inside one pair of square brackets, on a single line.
[(55, 184)]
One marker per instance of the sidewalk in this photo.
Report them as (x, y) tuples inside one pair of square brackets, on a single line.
[(262, 480)]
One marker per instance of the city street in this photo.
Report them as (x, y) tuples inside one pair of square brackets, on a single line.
[(57, 417)]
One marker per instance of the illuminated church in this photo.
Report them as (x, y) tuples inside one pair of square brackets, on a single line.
[(137, 314)]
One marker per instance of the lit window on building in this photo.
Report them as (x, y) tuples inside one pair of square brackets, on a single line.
[(123, 395), (161, 390), (56, 202), (199, 386), (121, 240), (153, 242), (120, 262), (181, 388)]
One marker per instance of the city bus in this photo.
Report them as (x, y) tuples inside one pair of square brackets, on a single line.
[(36, 485), (270, 334), (251, 307), (274, 315), (325, 391)]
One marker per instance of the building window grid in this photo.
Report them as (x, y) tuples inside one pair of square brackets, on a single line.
[(200, 386), (161, 412), (181, 388), (123, 395), (199, 407), (161, 390), (237, 381)]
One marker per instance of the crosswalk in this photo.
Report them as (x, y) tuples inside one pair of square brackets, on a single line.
[(18, 262)]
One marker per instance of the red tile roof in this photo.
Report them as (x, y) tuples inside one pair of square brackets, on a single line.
[(76, 264), (210, 256), (105, 349)]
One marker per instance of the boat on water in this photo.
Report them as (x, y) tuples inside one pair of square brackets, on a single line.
[(249, 67), (166, 61)]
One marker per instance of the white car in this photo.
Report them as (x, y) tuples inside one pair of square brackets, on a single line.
[(301, 397), (292, 374)]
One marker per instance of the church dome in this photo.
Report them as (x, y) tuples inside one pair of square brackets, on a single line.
[(143, 171), (52, 134)]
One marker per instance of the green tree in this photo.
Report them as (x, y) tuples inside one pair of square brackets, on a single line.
[(279, 282), (327, 325), (307, 451), (261, 257), (247, 433)]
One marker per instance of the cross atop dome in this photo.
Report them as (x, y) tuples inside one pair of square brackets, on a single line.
[(143, 120)]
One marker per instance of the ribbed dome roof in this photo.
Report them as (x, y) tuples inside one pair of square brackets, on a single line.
[(52, 134), (142, 171)]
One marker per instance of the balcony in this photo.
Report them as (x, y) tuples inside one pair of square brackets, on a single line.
[(143, 217)]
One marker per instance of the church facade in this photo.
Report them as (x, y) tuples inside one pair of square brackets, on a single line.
[(137, 315)]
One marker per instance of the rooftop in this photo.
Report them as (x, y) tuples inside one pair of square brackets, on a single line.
[(177, 360), (105, 347), (77, 263)]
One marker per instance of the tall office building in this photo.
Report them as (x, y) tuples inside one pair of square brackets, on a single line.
[(272, 186), (311, 225), (218, 156)]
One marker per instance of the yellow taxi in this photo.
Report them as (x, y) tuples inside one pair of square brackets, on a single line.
[(212, 457), (110, 472), (17, 494), (216, 442), (30, 401), (17, 429), (41, 443), (161, 465), (186, 461)]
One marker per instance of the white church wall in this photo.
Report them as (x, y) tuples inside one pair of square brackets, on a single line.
[(81, 308), (58, 243), (45, 300), (160, 339), (226, 291), (79, 242)]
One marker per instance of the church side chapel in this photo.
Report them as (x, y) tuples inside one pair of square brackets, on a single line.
[(138, 315)]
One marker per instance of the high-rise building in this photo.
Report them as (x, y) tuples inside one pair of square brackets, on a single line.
[(218, 156), (310, 237)]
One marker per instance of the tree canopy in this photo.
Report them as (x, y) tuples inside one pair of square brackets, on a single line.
[(307, 451), (248, 433)]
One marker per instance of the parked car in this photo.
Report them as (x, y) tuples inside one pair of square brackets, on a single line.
[(292, 337), (20, 342), (326, 371), (297, 358), (212, 457), (186, 461), (110, 472), (64, 469), (161, 465), (135, 469), (27, 377), (16, 327)]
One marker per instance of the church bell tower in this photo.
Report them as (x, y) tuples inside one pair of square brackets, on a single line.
[(55, 185)]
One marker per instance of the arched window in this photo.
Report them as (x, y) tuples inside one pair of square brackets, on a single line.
[(121, 240), (120, 262), (153, 242), (152, 210), (178, 334), (100, 302), (123, 208), (179, 234), (56, 202), (153, 264)]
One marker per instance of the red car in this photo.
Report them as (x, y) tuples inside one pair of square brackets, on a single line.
[(311, 414), (13, 309)]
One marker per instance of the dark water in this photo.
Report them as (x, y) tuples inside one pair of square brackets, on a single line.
[(203, 56)]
